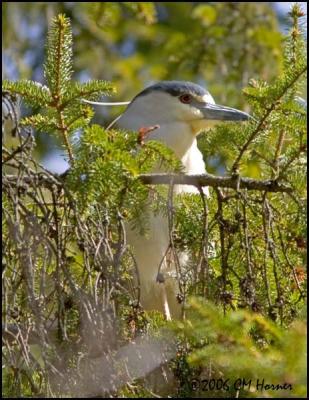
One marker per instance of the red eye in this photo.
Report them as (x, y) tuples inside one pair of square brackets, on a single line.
[(185, 98)]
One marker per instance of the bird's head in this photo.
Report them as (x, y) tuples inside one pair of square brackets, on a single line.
[(170, 102)]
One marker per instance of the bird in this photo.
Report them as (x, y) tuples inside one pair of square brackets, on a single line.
[(173, 113)]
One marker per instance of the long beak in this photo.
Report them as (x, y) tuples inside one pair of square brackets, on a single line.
[(222, 113)]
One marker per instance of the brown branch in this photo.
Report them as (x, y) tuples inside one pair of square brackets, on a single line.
[(279, 146), (215, 181), (229, 182), (64, 130)]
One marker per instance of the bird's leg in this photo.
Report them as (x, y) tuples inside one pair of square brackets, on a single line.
[(143, 131), (167, 312), (161, 282)]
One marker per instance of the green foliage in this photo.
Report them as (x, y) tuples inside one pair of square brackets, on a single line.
[(60, 101), (107, 166), (58, 66), (190, 222), (65, 245), (274, 108), (132, 43), (244, 345), (33, 93), (226, 60), (144, 11), (254, 252)]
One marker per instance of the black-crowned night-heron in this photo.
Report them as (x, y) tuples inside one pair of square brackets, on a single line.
[(181, 110)]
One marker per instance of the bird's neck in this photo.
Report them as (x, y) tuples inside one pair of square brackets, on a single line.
[(178, 136), (182, 141)]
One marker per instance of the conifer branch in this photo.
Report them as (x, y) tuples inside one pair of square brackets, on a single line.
[(269, 110)]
